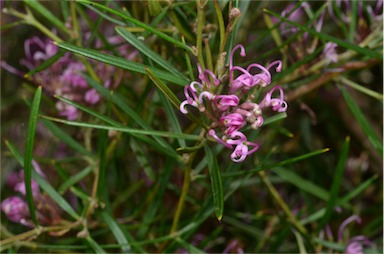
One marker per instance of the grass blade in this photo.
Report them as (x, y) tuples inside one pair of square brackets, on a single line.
[(361, 88), (164, 89), (74, 179), (46, 64), (64, 137), (117, 100), (139, 24), (122, 63), (126, 129), (278, 164), (171, 96), (29, 152), (337, 179), (217, 187), (47, 14), (102, 145), (154, 206), (301, 183), (94, 245), (139, 45), (320, 213), (159, 147), (116, 231), (365, 126), (173, 120)]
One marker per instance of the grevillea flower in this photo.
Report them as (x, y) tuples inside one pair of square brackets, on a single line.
[(65, 76), (16, 208), (354, 245), (230, 113)]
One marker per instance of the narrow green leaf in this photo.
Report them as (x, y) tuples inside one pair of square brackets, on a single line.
[(94, 245), (216, 184), (144, 49), (46, 64), (64, 137), (301, 183), (55, 195), (153, 143), (102, 144), (278, 164), (125, 129), (164, 89), (275, 118), (116, 231), (107, 17), (142, 158), (44, 184), (122, 63), (320, 213), (361, 88), (74, 179), (353, 21), (117, 100), (28, 156), (171, 116), (171, 96), (356, 191), (336, 183), (34, 4), (138, 23), (327, 37), (190, 248), (359, 116), (154, 206)]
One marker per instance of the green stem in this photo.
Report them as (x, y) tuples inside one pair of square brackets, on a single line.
[(220, 20), (275, 194), (184, 192), (30, 20), (200, 23)]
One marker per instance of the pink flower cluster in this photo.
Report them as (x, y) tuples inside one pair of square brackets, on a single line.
[(235, 109), (16, 207), (64, 77)]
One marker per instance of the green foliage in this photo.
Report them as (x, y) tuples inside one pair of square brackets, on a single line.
[(131, 174)]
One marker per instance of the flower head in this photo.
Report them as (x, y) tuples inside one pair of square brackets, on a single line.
[(232, 112), (16, 209)]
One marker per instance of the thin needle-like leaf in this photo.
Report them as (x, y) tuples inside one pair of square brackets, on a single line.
[(364, 124), (139, 45), (122, 63), (336, 183), (116, 231), (47, 14), (138, 23), (28, 156), (125, 129), (216, 184)]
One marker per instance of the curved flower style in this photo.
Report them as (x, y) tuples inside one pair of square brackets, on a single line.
[(354, 245), (277, 104), (233, 111), (241, 150)]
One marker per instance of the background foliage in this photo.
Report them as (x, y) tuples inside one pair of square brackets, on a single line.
[(130, 173)]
